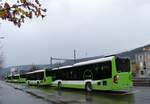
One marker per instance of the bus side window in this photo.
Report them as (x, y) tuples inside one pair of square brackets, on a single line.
[(65, 74), (74, 74), (102, 70)]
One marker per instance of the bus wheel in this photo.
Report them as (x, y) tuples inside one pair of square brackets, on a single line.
[(59, 85), (28, 83), (38, 83), (88, 87)]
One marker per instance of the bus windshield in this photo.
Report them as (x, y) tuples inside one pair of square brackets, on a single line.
[(122, 65)]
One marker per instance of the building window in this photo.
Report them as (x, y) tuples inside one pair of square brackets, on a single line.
[(142, 72)]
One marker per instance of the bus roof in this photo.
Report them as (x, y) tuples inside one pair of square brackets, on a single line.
[(9, 76), (86, 62), (94, 61), (68, 66), (36, 71), (16, 75)]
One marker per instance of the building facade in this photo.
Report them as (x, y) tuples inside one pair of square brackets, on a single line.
[(142, 60)]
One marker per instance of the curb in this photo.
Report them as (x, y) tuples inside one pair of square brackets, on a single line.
[(53, 101), (35, 95)]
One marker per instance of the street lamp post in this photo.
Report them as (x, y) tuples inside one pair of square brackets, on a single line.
[(1, 58)]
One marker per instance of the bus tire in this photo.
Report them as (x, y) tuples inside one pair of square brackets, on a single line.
[(88, 87), (28, 83), (37, 83), (59, 85)]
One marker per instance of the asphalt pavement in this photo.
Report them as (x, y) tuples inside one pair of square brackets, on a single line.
[(17, 93), (9, 95)]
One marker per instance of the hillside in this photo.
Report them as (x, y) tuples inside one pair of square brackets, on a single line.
[(25, 68)]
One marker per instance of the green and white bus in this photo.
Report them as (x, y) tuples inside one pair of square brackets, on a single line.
[(39, 77), (8, 78), (19, 78), (109, 73), (22, 78)]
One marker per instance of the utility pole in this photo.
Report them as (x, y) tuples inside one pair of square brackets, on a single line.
[(51, 63), (86, 54), (74, 53), (60, 59)]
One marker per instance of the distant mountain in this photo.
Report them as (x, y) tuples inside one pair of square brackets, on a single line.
[(25, 68), (131, 53), (22, 68)]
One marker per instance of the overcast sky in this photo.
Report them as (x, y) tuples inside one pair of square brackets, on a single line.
[(92, 27)]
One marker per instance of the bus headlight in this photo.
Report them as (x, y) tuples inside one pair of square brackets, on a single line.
[(115, 79)]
